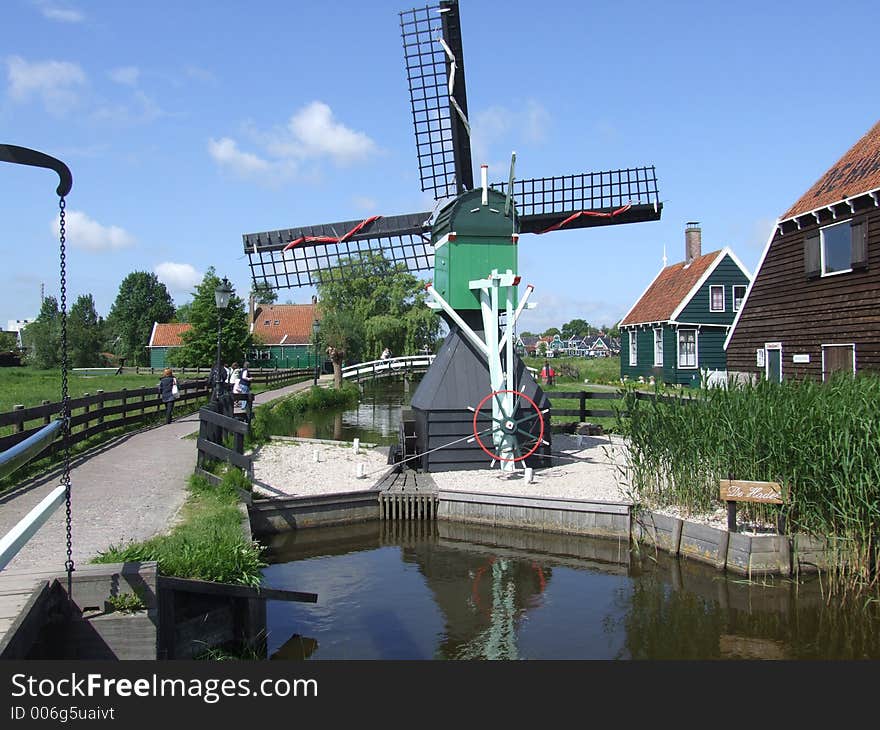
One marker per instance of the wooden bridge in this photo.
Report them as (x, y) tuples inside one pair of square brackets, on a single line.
[(406, 365)]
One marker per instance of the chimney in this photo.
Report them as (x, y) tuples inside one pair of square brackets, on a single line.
[(692, 242)]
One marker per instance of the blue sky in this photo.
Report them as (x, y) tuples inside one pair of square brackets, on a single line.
[(187, 124)]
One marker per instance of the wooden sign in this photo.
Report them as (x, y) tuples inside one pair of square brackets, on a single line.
[(735, 490)]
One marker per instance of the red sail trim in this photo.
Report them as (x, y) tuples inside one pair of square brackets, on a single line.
[(593, 213), (331, 239)]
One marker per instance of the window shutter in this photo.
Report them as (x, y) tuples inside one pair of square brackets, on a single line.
[(860, 245), (812, 260)]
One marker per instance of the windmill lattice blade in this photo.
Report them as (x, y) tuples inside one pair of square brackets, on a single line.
[(587, 199), (290, 258), (439, 108)]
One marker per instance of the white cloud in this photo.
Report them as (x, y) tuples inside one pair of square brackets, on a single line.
[(55, 83), (178, 277), (498, 125), (197, 73), (311, 133), (84, 233), (316, 133), (226, 153), (139, 109), (61, 15), (126, 75), (362, 202)]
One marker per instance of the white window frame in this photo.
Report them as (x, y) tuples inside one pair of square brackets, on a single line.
[(851, 345), (658, 354), (822, 271), (716, 286), (696, 364), (773, 346), (733, 295), (633, 348)]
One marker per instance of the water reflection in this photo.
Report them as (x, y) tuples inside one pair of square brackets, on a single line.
[(375, 419), (452, 591)]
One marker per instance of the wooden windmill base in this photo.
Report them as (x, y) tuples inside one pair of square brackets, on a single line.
[(458, 379)]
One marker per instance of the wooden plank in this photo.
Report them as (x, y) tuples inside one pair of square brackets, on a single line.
[(220, 452), (233, 590), (737, 490), (226, 422)]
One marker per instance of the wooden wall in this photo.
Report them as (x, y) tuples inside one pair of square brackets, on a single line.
[(803, 314)]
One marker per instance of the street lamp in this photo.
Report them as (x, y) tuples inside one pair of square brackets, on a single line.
[(316, 327), (222, 295)]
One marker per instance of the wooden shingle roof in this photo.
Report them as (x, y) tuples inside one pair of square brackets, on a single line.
[(856, 173), (168, 335), (287, 324), (668, 290)]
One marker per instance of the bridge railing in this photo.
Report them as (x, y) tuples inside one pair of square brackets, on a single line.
[(391, 366)]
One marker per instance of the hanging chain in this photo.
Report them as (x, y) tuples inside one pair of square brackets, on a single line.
[(65, 400)]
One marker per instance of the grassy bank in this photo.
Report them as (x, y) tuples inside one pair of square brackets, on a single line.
[(820, 441), (207, 544), (268, 417)]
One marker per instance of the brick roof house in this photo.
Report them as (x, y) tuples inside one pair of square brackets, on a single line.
[(676, 328)]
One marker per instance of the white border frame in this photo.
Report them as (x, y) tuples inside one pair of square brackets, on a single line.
[(822, 229), (656, 330), (822, 347), (773, 346), (633, 347), (678, 364), (745, 288), (723, 298)]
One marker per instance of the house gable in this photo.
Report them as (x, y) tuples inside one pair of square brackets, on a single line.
[(726, 271)]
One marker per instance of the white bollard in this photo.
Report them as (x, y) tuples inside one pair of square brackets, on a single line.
[(360, 471), (530, 475), (356, 446), (317, 456)]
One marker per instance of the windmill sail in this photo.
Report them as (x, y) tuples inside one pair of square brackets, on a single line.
[(587, 199), (435, 73), (294, 257)]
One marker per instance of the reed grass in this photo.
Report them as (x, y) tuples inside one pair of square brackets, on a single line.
[(820, 441), (266, 417)]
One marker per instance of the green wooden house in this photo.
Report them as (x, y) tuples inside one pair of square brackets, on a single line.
[(163, 338), (283, 336), (676, 330)]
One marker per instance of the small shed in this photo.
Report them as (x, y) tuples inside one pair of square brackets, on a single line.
[(163, 338)]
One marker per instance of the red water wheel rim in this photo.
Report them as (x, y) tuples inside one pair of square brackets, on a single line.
[(538, 441)]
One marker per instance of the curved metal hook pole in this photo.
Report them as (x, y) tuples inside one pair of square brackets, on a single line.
[(25, 156)]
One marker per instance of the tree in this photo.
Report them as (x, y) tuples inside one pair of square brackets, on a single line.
[(263, 293), (42, 337), (141, 301), (550, 332), (200, 342), (182, 313), (369, 304), (84, 331), (576, 328)]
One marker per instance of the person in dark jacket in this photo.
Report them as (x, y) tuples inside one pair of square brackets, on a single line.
[(166, 392)]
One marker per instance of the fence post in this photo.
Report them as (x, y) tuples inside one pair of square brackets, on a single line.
[(46, 418), (86, 409), (100, 394), (583, 415), (124, 403), (19, 426)]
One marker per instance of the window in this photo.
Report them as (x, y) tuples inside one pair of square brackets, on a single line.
[(658, 348), (716, 298), (836, 245), (687, 348), (739, 293), (838, 358), (836, 249), (633, 348)]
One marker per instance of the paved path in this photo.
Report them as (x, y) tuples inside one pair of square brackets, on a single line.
[(129, 489)]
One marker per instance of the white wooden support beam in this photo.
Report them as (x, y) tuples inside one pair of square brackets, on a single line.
[(17, 537)]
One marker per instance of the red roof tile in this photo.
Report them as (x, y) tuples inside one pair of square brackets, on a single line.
[(857, 172), (668, 290), (168, 335), (273, 321)]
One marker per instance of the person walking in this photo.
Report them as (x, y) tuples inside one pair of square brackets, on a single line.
[(244, 383), (168, 392), (547, 373)]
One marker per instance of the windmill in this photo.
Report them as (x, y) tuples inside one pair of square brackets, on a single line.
[(477, 402)]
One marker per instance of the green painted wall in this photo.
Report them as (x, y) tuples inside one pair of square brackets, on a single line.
[(710, 355), (283, 356), (726, 274), (157, 357)]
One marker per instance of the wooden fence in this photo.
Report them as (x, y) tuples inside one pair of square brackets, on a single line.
[(582, 396), (214, 429), (94, 414)]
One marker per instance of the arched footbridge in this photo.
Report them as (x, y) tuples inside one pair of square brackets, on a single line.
[(406, 365)]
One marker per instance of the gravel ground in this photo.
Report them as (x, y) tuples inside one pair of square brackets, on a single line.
[(591, 468)]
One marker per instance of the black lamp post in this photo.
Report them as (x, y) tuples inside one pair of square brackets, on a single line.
[(222, 295), (316, 327)]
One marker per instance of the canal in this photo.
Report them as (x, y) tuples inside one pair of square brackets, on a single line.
[(453, 591)]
